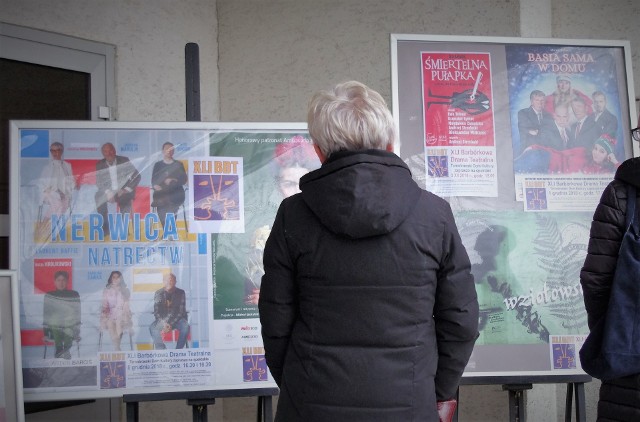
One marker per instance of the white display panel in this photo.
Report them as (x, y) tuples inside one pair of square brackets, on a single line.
[(232, 179), (523, 206)]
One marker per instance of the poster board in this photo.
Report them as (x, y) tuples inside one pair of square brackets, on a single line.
[(11, 400), (209, 233), (523, 201)]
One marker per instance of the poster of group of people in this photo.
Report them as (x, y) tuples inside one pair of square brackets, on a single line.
[(140, 252), (567, 131), (521, 138)]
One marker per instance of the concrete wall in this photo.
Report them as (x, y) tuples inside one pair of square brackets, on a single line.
[(274, 54), (260, 61)]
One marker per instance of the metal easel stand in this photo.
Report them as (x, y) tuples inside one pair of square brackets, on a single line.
[(517, 402), (517, 385), (517, 405), (200, 400), (581, 411)]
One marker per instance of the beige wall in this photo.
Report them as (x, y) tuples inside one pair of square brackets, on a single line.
[(594, 19), (274, 54)]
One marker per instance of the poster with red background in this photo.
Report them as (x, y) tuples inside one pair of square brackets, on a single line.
[(44, 270), (458, 100), (459, 134)]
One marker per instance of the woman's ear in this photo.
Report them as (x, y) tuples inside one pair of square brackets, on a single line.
[(390, 148), (319, 153)]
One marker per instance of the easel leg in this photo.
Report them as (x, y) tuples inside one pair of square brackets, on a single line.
[(199, 408), (199, 413), (516, 401), (581, 411), (132, 412), (455, 414), (568, 403), (516, 406), (265, 409)]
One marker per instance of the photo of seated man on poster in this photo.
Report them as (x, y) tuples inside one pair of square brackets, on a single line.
[(170, 312), (61, 315)]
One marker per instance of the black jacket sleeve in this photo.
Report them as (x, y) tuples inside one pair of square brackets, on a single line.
[(278, 299), (606, 234), (455, 312)]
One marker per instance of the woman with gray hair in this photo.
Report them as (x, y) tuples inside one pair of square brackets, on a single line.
[(368, 307)]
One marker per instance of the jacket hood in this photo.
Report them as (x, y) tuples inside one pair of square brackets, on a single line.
[(629, 172), (361, 193)]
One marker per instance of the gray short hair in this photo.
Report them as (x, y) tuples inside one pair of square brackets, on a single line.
[(350, 117)]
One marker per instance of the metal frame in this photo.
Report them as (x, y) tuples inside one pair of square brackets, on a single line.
[(15, 246), (11, 353), (408, 104)]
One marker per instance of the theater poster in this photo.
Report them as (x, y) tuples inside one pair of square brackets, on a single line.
[(138, 249), (551, 119), (567, 123), (459, 142)]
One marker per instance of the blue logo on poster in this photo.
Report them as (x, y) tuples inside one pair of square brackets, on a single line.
[(34, 143), (564, 356), (438, 165), (254, 368), (536, 198), (113, 375)]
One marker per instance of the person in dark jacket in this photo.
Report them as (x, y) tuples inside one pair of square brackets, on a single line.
[(61, 315), (368, 306), (170, 312), (168, 179), (116, 179), (619, 398)]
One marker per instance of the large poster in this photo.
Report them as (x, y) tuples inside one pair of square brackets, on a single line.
[(139, 252), (459, 138), (566, 123), (551, 120)]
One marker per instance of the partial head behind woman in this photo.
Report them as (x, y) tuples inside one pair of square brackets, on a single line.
[(350, 117)]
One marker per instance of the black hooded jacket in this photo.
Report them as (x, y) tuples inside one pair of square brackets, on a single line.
[(619, 398), (606, 234), (368, 307)]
